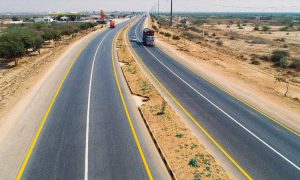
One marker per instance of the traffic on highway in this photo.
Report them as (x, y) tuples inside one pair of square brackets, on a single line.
[(205, 91)]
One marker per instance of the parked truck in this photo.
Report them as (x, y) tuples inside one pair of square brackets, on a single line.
[(148, 37), (112, 24)]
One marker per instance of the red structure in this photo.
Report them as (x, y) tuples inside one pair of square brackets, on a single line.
[(102, 15)]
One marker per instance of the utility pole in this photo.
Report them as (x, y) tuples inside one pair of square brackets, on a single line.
[(171, 19), (158, 10)]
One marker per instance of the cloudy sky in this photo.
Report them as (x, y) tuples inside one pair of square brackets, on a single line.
[(145, 5)]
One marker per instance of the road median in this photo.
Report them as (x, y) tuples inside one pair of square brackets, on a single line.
[(182, 152)]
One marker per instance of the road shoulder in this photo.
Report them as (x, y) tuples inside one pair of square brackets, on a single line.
[(21, 122)]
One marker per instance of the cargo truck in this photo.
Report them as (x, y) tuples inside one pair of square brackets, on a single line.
[(148, 37), (112, 24)]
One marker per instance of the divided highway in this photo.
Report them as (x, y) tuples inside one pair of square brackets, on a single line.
[(258, 146), (87, 132)]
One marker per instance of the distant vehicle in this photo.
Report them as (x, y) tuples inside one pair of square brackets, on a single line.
[(112, 24), (148, 37), (133, 39), (102, 21)]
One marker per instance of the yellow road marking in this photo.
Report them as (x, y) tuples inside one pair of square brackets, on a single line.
[(249, 105), (191, 117), (128, 115), (32, 146)]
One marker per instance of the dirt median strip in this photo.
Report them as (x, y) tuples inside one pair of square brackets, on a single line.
[(186, 157)]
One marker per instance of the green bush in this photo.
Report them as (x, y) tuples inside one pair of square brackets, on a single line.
[(295, 65), (16, 40), (256, 28), (285, 46), (175, 37), (179, 135), (255, 61), (50, 34), (37, 43), (155, 28), (67, 32), (11, 49), (283, 63), (193, 163), (188, 35), (85, 26), (265, 58), (285, 28), (30, 39), (40, 26), (266, 28), (167, 34), (219, 43), (277, 55), (195, 29)]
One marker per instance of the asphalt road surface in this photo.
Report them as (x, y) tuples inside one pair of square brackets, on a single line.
[(87, 134), (259, 146)]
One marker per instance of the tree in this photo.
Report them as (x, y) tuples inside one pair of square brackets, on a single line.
[(11, 50), (28, 37), (50, 34), (278, 56), (37, 44), (15, 18)]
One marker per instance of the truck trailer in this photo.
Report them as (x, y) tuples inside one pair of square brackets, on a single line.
[(112, 24), (148, 37)]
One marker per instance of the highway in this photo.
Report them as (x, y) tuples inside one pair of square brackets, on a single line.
[(258, 147), (88, 133)]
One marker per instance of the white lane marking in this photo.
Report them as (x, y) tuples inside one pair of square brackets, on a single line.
[(250, 132), (86, 163)]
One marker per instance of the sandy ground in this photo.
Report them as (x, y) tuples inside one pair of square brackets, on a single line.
[(179, 146), (254, 85), (291, 37), (28, 91)]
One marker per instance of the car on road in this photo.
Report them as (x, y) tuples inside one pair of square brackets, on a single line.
[(133, 39)]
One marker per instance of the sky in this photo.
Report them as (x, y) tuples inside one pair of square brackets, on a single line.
[(146, 5)]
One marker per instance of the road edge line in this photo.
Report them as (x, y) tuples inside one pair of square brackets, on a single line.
[(258, 110), (127, 112), (192, 118), (37, 135)]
